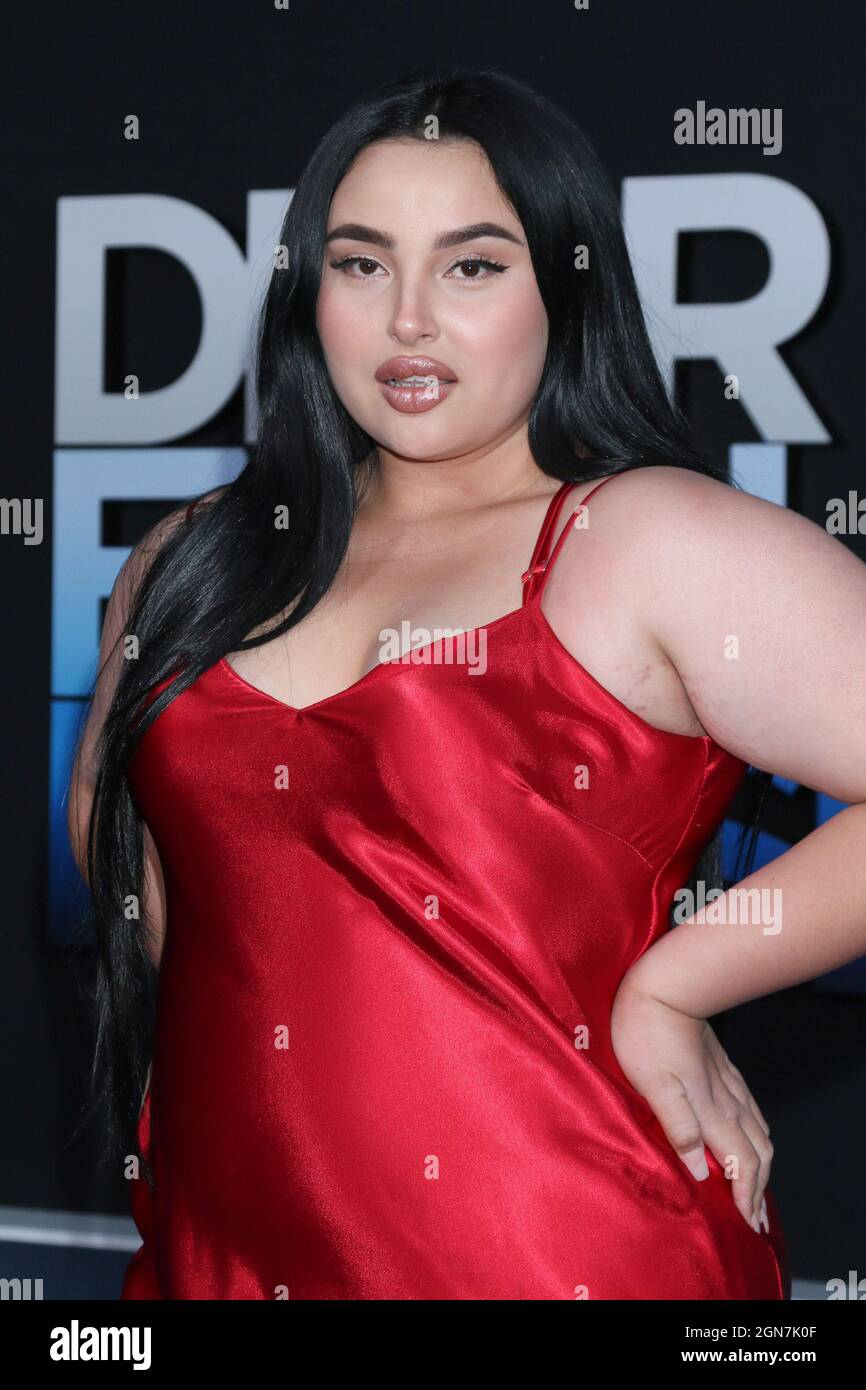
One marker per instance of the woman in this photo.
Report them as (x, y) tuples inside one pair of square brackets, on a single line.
[(421, 1029)]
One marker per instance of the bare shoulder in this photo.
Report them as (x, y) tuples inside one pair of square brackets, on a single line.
[(637, 522), (144, 552), (662, 519), (760, 610), (691, 550), (180, 516), (643, 498)]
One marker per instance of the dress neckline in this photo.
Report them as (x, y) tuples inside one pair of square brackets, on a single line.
[(405, 659), (530, 611), (532, 580), (544, 554)]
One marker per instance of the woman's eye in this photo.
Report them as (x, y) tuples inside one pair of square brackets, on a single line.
[(473, 263), (365, 261)]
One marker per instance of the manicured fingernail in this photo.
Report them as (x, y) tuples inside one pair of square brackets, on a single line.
[(696, 1162), (765, 1220), (753, 1222)]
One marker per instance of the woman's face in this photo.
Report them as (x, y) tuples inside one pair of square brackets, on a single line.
[(389, 291)]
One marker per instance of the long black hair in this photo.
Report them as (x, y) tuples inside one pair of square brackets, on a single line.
[(601, 407)]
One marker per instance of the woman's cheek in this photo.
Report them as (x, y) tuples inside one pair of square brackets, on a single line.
[(508, 341)]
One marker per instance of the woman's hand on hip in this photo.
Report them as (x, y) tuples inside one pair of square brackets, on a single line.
[(698, 1096)]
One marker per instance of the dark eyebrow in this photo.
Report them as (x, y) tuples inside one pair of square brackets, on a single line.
[(356, 231)]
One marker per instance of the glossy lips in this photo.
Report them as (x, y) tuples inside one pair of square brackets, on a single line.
[(413, 400)]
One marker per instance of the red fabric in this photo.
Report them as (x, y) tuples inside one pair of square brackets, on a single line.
[(432, 909)]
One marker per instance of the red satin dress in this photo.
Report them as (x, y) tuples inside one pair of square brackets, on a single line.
[(396, 922)]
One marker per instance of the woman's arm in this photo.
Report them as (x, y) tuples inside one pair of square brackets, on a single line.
[(82, 782), (763, 614), (813, 919)]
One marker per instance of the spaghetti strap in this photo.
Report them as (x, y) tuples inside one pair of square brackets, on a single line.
[(544, 533), (543, 557)]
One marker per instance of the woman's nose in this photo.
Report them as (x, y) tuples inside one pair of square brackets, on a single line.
[(412, 314)]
